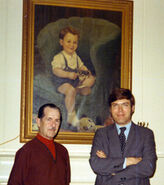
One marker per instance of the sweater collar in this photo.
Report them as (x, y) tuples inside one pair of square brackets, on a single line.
[(44, 140)]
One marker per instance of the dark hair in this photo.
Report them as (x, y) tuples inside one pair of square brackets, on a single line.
[(66, 30), (121, 93), (51, 105)]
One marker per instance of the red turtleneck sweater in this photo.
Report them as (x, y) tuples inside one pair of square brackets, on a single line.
[(34, 166), (49, 143)]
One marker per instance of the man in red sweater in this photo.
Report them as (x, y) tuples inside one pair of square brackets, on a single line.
[(42, 161)]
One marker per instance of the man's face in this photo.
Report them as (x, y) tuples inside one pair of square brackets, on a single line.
[(69, 43), (49, 124), (121, 111)]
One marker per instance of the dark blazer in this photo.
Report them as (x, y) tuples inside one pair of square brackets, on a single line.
[(140, 143)]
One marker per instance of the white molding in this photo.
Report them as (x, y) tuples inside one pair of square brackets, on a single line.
[(72, 154)]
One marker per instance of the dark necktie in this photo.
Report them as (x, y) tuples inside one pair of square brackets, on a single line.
[(122, 139)]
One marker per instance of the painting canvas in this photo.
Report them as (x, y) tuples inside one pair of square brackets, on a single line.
[(104, 47)]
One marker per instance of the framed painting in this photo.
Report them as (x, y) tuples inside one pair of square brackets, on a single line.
[(100, 60)]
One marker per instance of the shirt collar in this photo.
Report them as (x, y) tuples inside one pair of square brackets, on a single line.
[(127, 127)]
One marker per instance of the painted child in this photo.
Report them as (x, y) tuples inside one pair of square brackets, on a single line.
[(66, 66)]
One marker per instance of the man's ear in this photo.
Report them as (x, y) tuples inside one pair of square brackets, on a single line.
[(61, 42), (133, 109), (38, 122)]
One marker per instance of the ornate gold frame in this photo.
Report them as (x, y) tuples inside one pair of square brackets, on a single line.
[(123, 6)]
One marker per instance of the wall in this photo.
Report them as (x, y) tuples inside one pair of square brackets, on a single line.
[(148, 88)]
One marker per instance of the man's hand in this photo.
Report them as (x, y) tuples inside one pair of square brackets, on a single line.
[(101, 154), (132, 160)]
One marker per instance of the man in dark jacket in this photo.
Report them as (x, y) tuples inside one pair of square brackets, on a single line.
[(42, 161), (123, 153)]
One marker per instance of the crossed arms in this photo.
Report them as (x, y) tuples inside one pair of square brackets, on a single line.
[(129, 160), (141, 165)]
